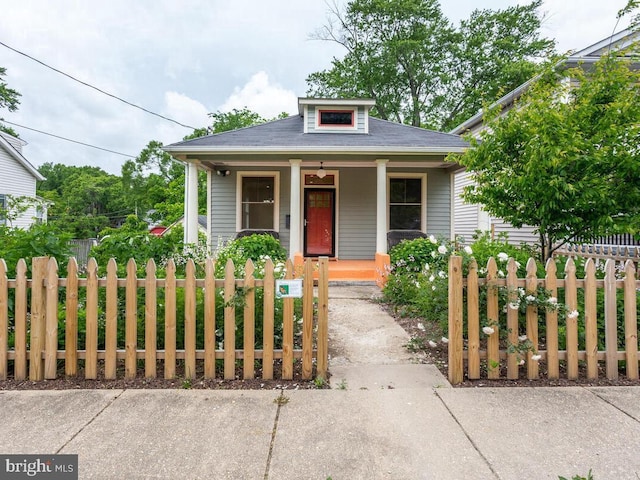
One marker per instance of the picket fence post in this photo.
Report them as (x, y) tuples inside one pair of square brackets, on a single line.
[(38, 305), (455, 320)]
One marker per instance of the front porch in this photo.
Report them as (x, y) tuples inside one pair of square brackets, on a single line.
[(373, 271)]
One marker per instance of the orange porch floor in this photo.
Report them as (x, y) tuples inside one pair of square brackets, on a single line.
[(352, 270)]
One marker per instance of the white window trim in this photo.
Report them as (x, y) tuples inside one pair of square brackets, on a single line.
[(423, 199), (276, 194)]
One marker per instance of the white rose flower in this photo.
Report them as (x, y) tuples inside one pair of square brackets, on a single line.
[(467, 250), (488, 330), (442, 250)]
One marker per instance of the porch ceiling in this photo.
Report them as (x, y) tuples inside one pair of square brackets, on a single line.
[(313, 161)]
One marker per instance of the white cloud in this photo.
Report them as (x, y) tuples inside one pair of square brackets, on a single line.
[(187, 59), (185, 110), (578, 28), (261, 96)]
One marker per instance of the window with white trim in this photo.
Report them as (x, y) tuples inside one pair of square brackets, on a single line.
[(258, 202), (406, 203), (39, 218)]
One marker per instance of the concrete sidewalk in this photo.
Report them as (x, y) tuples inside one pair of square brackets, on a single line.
[(408, 432), (391, 419)]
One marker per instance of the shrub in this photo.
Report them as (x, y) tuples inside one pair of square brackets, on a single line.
[(257, 247), (38, 241)]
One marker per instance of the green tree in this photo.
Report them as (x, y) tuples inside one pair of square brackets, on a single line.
[(85, 199), (565, 160), (226, 121), (418, 67), (9, 99)]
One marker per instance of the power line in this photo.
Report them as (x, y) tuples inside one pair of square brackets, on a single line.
[(96, 88), (68, 139)]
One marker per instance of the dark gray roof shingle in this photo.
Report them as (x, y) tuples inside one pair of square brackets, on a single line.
[(288, 133)]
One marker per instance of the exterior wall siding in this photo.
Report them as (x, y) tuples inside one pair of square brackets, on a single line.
[(223, 207), (357, 214), (438, 203), (466, 220), (15, 142), (15, 180), (516, 235)]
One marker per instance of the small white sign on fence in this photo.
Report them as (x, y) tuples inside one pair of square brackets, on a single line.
[(289, 288)]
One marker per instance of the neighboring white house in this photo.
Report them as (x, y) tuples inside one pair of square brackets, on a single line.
[(471, 217), (18, 179)]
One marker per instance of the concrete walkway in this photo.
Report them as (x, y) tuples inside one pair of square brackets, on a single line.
[(384, 418)]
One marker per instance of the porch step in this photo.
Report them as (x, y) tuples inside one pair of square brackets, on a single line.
[(352, 270)]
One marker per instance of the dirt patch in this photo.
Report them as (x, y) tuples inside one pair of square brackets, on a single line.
[(422, 332)]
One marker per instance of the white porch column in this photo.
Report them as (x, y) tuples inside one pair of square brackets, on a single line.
[(381, 206), (191, 204), (209, 241), (295, 232)]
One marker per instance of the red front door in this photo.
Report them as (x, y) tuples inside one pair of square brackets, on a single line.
[(319, 222)]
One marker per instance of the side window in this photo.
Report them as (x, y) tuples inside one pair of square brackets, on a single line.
[(39, 214), (405, 203), (258, 205), (3, 209)]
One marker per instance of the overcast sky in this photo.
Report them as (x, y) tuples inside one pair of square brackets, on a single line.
[(186, 58)]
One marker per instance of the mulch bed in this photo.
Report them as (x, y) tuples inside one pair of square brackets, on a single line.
[(422, 331), (179, 382)]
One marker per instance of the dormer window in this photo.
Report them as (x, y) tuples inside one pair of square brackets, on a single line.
[(337, 115), (336, 118)]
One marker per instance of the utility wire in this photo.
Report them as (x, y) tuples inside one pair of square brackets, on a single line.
[(96, 88), (68, 139)]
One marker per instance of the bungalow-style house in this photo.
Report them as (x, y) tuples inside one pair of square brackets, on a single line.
[(18, 181), (331, 181), (471, 217)]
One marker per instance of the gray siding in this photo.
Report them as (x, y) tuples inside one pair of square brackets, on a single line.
[(360, 119), (439, 203), (516, 235), (467, 219), (357, 214), (285, 202), (223, 206), (223, 209)]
